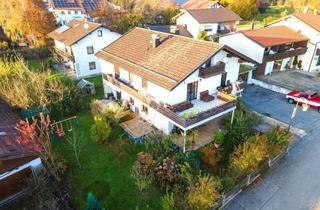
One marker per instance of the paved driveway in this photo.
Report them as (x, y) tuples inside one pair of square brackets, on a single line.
[(295, 183)]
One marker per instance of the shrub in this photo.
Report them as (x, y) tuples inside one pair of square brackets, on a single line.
[(203, 194), (168, 202), (100, 130), (241, 129), (23, 88), (279, 139), (71, 101), (202, 35), (248, 156), (211, 156), (142, 181), (95, 107), (218, 137), (158, 146), (27, 53), (142, 171), (299, 64), (115, 113), (4, 45), (167, 173)]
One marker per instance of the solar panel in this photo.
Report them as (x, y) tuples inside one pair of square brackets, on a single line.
[(65, 3)]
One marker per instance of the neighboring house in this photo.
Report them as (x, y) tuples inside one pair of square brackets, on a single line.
[(309, 26), (273, 48), (76, 44), (169, 80), (200, 4), (172, 29), (66, 10), (18, 162), (213, 21)]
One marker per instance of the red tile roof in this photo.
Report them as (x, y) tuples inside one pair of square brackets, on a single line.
[(214, 15), (73, 31), (272, 36), (196, 4), (310, 19)]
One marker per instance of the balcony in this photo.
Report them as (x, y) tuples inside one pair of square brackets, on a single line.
[(62, 54), (211, 71), (285, 54), (205, 110)]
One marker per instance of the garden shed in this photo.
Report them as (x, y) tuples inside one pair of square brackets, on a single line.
[(86, 87)]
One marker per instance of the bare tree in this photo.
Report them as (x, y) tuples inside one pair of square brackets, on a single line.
[(75, 141)]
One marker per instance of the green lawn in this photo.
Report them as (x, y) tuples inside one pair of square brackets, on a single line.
[(105, 171), (274, 11), (105, 168)]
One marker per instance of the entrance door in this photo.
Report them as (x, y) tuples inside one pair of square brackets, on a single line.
[(192, 91)]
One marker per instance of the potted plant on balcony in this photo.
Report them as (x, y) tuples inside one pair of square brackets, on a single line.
[(218, 138)]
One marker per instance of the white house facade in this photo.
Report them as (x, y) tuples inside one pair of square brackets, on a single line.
[(211, 20), (173, 82), (274, 48), (76, 44), (309, 26)]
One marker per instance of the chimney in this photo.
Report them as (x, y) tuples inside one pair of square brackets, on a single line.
[(86, 26), (174, 30), (305, 9), (155, 40), (315, 12)]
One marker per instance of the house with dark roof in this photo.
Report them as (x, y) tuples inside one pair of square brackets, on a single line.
[(213, 21), (273, 48), (76, 44), (169, 80), (18, 161), (307, 24), (66, 10)]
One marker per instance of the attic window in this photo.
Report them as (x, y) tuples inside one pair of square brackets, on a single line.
[(2, 133), (99, 33)]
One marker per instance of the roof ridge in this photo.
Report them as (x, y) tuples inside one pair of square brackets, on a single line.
[(184, 37)]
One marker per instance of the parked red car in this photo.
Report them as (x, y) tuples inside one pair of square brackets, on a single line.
[(308, 97)]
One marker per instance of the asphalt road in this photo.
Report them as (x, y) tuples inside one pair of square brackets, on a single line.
[(295, 183)]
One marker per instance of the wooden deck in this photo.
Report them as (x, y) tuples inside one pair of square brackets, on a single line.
[(137, 127)]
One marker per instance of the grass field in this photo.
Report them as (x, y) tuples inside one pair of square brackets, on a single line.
[(105, 168), (272, 11)]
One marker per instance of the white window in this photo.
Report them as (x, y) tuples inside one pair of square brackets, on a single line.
[(99, 33), (207, 28), (90, 50), (92, 65), (76, 12), (69, 12), (62, 13)]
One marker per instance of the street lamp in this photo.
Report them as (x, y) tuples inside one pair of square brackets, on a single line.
[(305, 107)]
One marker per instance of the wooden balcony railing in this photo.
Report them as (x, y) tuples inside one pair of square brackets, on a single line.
[(286, 54), (212, 70), (161, 108), (63, 54)]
